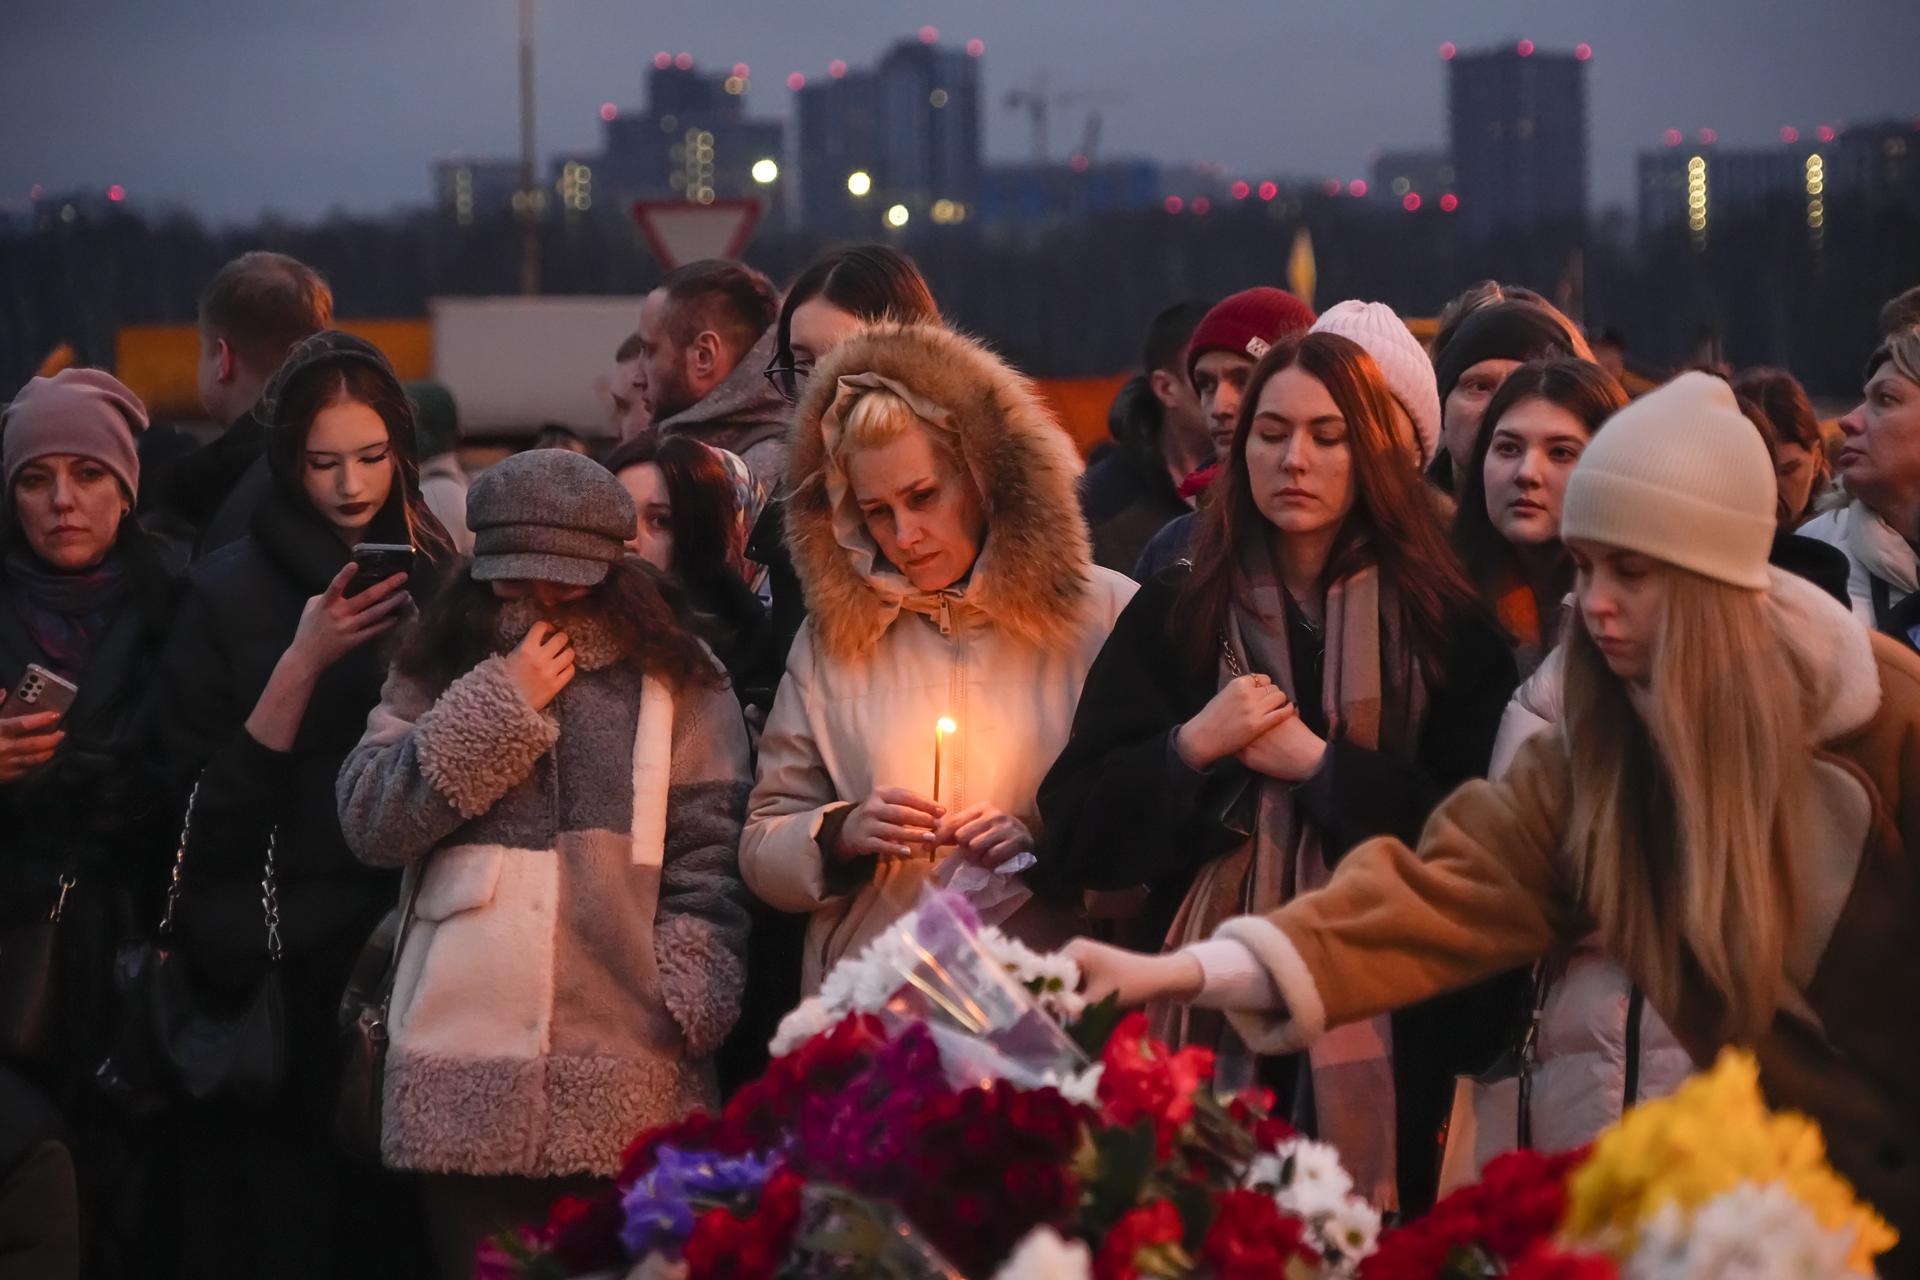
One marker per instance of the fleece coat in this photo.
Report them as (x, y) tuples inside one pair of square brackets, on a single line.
[(1002, 653), (576, 952), (1491, 886)]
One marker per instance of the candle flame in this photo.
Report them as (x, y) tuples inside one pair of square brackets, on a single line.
[(945, 726)]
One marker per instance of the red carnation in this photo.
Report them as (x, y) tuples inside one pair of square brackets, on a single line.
[(1250, 1238), (584, 1234), (1150, 1226), (1543, 1262), (723, 1247), (1143, 1081)]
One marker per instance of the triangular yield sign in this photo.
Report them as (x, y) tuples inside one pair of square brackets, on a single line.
[(679, 231)]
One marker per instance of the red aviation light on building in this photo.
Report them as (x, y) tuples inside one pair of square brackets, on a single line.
[(742, 70), (684, 61), (1411, 202), (1202, 207), (1357, 188), (1447, 50), (976, 47), (929, 35), (1582, 51), (1268, 190), (1825, 133), (796, 81), (837, 68), (116, 193), (1708, 137), (1789, 134), (1673, 137), (608, 111), (1449, 202), (662, 60), (1175, 204), (1524, 48), (1332, 186), (1241, 190)]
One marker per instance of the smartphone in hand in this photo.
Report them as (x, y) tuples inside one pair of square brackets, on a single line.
[(375, 562), (39, 690)]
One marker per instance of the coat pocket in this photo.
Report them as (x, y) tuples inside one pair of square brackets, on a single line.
[(463, 878)]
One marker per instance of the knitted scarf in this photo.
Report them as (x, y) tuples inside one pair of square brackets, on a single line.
[(66, 612)]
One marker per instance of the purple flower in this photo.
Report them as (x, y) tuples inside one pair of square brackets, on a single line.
[(661, 1206)]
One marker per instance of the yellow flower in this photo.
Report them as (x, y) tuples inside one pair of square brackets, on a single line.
[(1714, 1133)]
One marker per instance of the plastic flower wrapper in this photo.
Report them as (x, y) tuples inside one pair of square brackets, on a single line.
[(994, 1007)]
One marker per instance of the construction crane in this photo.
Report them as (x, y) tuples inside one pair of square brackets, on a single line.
[(1038, 102)]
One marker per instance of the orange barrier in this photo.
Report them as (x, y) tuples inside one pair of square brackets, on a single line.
[(158, 361), (1081, 405)]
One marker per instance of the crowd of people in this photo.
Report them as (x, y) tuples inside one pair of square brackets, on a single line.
[(1454, 745)]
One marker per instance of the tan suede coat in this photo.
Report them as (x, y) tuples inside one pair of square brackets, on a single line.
[(1489, 888)]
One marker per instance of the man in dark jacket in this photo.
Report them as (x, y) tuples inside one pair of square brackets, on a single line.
[(1160, 439), (253, 312), (706, 338)]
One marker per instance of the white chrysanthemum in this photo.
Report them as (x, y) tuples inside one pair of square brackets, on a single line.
[(807, 1020), (836, 989), (1312, 1181), (1082, 1087), (1043, 1255), (1752, 1232), (1352, 1230)]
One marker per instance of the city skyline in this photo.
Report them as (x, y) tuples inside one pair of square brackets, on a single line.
[(335, 124)]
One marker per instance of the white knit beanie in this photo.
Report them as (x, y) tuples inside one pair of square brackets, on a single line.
[(1375, 328), (1680, 475)]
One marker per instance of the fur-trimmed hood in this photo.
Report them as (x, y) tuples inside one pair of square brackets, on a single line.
[(1034, 574)]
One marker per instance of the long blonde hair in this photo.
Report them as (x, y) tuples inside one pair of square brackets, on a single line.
[(1684, 820)]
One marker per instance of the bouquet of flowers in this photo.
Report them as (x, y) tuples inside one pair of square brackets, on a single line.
[(1704, 1185), (946, 1108)]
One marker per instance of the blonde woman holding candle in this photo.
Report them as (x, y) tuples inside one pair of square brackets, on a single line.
[(954, 609)]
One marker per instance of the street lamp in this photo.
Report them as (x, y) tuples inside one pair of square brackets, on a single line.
[(859, 182), (897, 216), (765, 172)]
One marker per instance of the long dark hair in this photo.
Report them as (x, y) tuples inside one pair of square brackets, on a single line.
[(869, 281), (1584, 390), (405, 517), (1779, 396), (708, 539), (1393, 523), (643, 609)]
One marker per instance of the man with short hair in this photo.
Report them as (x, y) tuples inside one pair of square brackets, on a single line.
[(706, 338), (1160, 438), (251, 315), (1228, 342), (629, 415)]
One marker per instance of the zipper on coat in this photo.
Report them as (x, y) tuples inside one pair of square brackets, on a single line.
[(1636, 1014)]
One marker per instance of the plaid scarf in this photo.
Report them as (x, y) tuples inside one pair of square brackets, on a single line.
[(1374, 697)]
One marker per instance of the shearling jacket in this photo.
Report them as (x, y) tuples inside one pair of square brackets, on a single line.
[(1003, 653), (576, 950), (1490, 887)]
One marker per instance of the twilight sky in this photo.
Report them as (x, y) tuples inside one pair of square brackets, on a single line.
[(231, 107)]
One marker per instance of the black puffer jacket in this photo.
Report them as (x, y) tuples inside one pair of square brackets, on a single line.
[(241, 609), (97, 811)]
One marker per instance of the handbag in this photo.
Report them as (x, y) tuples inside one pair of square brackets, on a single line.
[(363, 1029), (29, 981), (179, 1038)]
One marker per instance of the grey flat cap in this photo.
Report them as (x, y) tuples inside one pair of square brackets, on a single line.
[(548, 515)]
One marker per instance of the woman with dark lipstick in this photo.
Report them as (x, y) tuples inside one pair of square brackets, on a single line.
[(268, 680)]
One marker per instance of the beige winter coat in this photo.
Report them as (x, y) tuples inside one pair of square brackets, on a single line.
[(875, 667)]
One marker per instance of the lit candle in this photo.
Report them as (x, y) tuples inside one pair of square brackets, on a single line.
[(941, 728)]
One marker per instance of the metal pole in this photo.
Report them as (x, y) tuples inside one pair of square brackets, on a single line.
[(529, 194)]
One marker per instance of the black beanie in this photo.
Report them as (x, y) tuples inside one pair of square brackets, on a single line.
[(1503, 331)]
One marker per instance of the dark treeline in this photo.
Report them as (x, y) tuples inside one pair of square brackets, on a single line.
[(1062, 301)]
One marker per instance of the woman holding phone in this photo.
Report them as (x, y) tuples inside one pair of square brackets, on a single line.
[(84, 602), (269, 678)]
